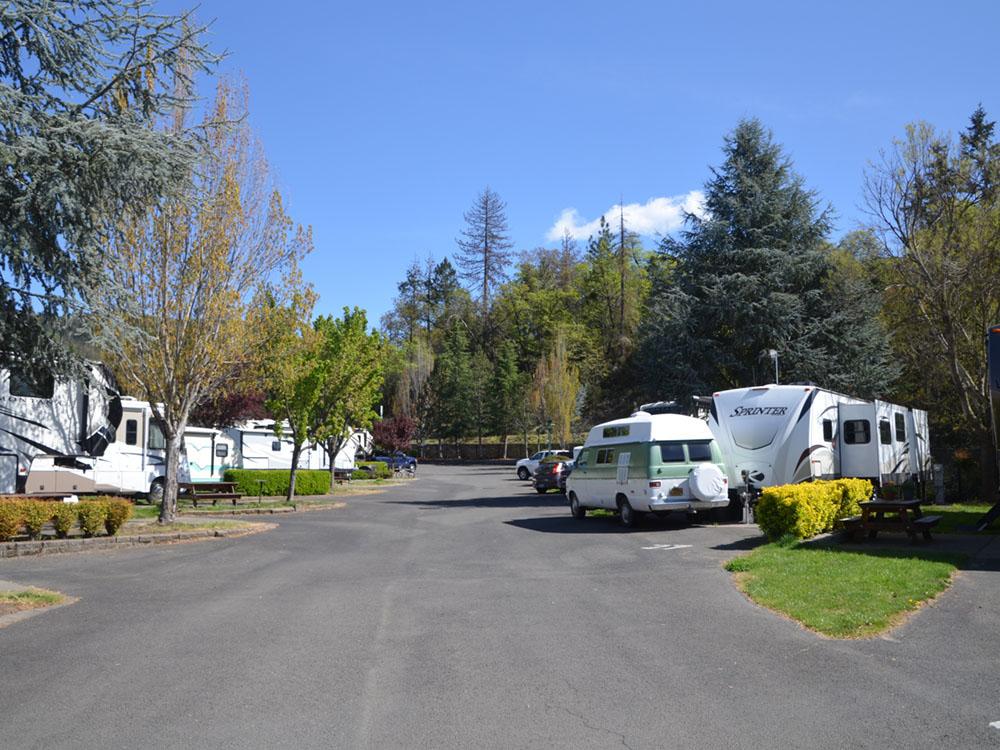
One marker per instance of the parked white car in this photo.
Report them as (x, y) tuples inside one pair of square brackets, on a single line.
[(526, 467)]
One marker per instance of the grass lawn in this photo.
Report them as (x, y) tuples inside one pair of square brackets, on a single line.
[(844, 594), (958, 515), (152, 527), (16, 601)]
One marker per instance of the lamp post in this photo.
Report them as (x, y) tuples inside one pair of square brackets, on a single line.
[(773, 354)]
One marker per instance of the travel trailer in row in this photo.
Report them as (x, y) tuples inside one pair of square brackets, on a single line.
[(649, 463), (782, 434), (65, 420), (256, 446)]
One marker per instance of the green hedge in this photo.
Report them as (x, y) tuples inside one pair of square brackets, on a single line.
[(381, 470), (307, 481), (26, 516), (811, 508)]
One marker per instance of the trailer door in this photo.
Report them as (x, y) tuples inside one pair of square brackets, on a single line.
[(858, 440)]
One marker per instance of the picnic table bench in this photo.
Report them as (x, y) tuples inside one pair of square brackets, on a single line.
[(214, 491), (890, 515)]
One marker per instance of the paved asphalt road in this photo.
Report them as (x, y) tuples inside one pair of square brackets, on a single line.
[(464, 611)]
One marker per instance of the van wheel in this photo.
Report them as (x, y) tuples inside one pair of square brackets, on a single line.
[(522, 473), (155, 494), (628, 516), (577, 510)]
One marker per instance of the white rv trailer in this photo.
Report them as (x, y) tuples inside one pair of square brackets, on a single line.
[(255, 446), (133, 463), (209, 453), (782, 434), (65, 420)]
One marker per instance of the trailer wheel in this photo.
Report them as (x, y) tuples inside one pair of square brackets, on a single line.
[(155, 494)]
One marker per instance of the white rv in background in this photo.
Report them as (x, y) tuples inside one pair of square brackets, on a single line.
[(782, 434), (255, 446), (209, 453), (133, 463), (67, 421)]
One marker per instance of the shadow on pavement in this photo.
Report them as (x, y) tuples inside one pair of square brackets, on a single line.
[(534, 500), (601, 524), (743, 545)]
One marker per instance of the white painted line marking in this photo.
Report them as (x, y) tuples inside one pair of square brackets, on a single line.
[(668, 546), (995, 724)]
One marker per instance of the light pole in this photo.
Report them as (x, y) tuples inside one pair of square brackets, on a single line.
[(773, 354)]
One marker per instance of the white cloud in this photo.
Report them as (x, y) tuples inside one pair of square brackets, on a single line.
[(655, 216)]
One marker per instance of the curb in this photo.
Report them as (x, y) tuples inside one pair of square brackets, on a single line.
[(237, 512), (58, 546)]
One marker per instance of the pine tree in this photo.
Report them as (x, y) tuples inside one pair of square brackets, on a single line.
[(451, 387), (506, 390), (484, 247)]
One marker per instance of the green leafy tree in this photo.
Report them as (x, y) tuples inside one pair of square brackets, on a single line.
[(505, 391), (83, 85), (936, 201)]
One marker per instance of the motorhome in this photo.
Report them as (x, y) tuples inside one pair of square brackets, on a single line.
[(133, 463), (654, 463), (782, 434), (65, 420)]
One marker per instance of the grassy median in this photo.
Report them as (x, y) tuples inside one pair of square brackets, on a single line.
[(843, 594), (17, 601)]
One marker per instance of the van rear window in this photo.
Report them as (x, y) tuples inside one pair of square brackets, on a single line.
[(699, 451), (671, 453)]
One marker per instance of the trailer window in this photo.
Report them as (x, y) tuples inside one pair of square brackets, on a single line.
[(131, 432), (156, 440), (857, 431), (884, 431), (671, 453), (276, 445), (701, 451), (900, 428), (32, 385), (221, 450), (828, 430)]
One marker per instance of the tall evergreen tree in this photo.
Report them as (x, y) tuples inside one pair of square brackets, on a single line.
[(750, 276), (506, 389), (484, 247), (451, 387), (83, 85)]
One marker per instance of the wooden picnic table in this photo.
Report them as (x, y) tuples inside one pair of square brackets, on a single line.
[(213, 491), (891, 515)]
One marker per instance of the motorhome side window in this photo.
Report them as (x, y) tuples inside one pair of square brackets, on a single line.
[(32, 386), (700, 451), (900, 428), (606, 456), (828, 430), (276, 445), (221, 450), (857, 431), (131, 432), (671, 453), (884, 432), (616, 431), (156, 440)]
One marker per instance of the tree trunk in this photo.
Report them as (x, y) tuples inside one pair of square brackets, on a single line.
[(505, 446), (296, 452), (168, 510)]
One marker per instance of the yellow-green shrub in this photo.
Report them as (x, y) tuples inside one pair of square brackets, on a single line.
[(64, 517), (807, 509), (37, 513), (91, 514), (11, 519), (118, 512)]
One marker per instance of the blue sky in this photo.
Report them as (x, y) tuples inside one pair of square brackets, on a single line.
[(383, 121)]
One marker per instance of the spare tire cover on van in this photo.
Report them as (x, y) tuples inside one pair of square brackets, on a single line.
[(707, 482)]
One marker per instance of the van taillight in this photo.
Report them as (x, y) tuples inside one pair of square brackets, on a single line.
[(654, 484)]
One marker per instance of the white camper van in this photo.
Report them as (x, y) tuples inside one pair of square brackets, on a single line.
[(133, 463), (782, 434), (63, 420), (649, 463)]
